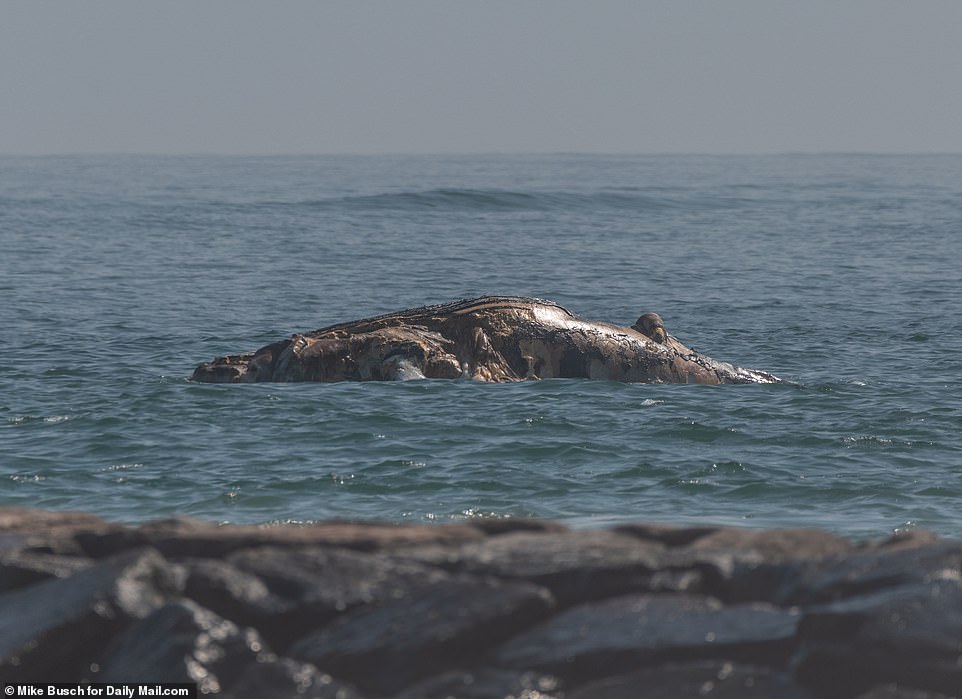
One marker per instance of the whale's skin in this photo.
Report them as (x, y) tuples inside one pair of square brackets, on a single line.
[(491, 338)]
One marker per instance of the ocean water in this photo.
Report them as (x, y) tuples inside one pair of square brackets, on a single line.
[(839, 272)]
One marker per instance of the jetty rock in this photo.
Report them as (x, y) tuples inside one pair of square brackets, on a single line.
[(492, 338), (478, 609)]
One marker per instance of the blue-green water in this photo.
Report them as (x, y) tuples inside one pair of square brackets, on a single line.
[(842, 273)]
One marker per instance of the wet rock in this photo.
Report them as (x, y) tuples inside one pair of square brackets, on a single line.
[(50, 630), (612, 637), (715, 679), (182, 642), (438, 624)]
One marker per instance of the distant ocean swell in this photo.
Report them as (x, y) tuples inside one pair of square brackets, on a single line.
[(452, 200)]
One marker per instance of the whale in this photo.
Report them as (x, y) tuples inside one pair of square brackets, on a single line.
[(490, 338)]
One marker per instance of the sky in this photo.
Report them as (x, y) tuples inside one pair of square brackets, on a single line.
[(488, 76)]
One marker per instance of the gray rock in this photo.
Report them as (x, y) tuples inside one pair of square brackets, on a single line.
[(615, 636), (315, 584), (746, 565), (466, 610), (182, 642), (667, 534), (485, 684), (716, 679), (50, 630), (576, 566), (23, 568), (52, 532), (498, 526), (774, 545), (892, 691), (241, 597), (908, 635), (871, 569), (437, 625), (284, 678), (183, 537)]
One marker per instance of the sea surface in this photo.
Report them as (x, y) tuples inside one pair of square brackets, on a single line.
[(841, 273)]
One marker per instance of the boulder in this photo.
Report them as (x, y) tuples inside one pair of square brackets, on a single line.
[(22, 568), (310, 586), (51, 630), (181, 642), (717, 679), (623, 633), (442, 623), (575, 566), (283, 678), (484, 684), (909, 635)]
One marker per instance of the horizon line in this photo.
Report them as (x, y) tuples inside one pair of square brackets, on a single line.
[(468, 153)]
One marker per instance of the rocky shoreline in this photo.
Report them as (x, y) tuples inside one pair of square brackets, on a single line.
[(484, 608)]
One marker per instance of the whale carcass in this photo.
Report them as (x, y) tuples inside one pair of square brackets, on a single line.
[(492, 338)]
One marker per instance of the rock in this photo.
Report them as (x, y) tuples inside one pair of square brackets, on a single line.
[(22, 568), (575, 566), (497, 526), (234, 594), (50, 630), (741, 565), (667, 534), (283, 678), (908, 635), (315, 584), (441, 623), (492, 608), (617, 635), (745, 565), (182, 642), (774, 545), (906, 538), (864, 572), (485, 684), (891, 691), (716, 679), (184, 537), (50, 532)]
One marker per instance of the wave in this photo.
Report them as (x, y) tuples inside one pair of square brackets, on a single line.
[(455, 199), (450, 199)]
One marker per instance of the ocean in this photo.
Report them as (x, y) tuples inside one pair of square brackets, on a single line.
[(840, 273)]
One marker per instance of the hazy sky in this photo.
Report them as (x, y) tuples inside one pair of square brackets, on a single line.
[(439, 76)]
